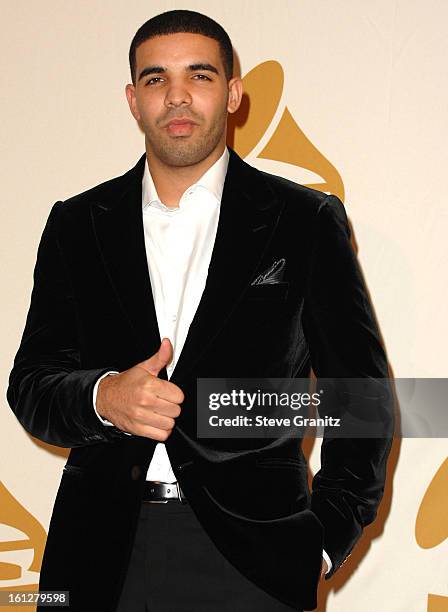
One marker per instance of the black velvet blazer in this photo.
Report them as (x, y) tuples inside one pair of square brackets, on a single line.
[(92, 310)]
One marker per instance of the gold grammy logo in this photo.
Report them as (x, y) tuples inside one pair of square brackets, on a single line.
[(287, 143), (21, 546), (431, 525)]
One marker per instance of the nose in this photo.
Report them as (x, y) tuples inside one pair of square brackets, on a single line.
[(177, 94)]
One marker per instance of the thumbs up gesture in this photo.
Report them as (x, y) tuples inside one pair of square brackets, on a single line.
[(140, 403)]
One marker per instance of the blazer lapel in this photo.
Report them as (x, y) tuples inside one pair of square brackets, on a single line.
[(248, 216), (118, 221)]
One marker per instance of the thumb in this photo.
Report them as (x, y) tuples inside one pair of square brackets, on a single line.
[(159, 360)]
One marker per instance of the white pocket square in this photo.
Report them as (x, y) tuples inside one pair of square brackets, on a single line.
[(272, 275)]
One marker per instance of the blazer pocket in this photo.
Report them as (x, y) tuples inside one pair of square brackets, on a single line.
[(274, 292)]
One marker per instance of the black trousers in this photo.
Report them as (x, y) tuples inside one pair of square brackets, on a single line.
[(175, 567)]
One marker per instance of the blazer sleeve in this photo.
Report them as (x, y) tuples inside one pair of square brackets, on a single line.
[(48, 391), (344, 343)]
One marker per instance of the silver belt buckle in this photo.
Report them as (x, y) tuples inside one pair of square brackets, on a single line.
[(169, 487), (156, 501)]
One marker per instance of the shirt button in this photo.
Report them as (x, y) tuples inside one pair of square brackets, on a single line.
[(174, 317)]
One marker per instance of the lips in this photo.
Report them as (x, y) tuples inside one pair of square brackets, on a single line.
[(180, 127), (180, 122)]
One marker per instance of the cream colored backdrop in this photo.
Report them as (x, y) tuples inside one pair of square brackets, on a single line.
[(353, 98)]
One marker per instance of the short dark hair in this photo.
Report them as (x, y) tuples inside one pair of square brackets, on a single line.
[(173, 22)]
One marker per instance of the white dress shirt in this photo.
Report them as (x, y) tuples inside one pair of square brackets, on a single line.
[(179, 243)]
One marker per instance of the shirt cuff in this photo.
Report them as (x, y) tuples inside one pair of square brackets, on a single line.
[(95, 392), (328, 560)]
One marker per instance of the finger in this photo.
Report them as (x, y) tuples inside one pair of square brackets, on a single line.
[(166, 408), (159, 360), (153, 419), (155, 414), (147, 431), (156, 388)]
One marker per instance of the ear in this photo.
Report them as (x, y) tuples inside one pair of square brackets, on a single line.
[(130, 95), (235, 94)]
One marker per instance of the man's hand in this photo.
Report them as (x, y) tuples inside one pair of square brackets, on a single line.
[(140, 403), (324, 569)]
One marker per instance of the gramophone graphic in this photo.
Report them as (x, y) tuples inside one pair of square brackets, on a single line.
[(285, 142), (22, 542), (431, 525)]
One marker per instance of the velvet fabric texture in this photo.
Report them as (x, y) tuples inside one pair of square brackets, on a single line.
[(92, 311)]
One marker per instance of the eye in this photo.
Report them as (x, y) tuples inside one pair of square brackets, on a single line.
[(153, 80), (202, 77)]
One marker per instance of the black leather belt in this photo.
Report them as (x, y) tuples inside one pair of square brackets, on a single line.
[(163, 492)]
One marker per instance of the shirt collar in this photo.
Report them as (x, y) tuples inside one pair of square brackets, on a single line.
[(212, 180)]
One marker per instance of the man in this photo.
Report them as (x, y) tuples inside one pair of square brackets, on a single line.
[(151, 276)]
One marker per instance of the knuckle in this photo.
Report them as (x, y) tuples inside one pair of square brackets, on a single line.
[(177, 393), (146, 398), (140, 396), (138, 414), (162, 435), (170, 424)]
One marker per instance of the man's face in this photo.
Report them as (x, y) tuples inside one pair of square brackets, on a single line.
[(181, 97)]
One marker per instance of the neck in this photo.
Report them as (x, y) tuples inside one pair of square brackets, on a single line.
[(172, 181)]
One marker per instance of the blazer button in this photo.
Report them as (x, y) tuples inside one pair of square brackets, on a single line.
[(136, 472)]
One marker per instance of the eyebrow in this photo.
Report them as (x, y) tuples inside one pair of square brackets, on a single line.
[(191, 68)]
